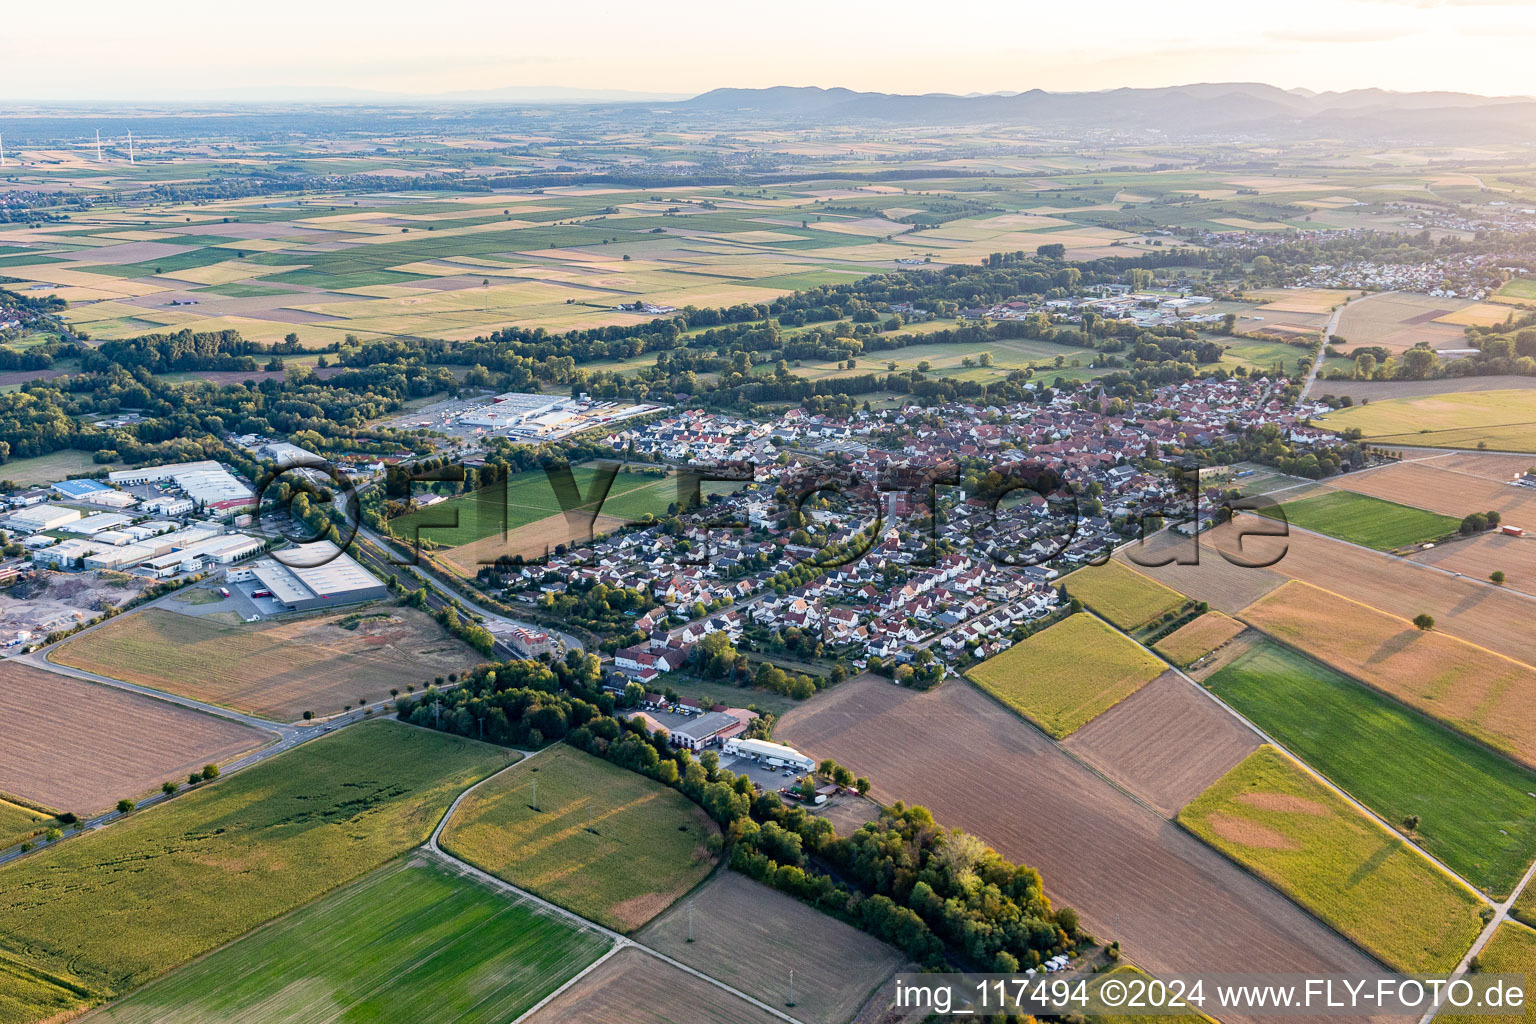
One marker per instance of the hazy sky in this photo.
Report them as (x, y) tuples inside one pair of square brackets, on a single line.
[(112, 49)]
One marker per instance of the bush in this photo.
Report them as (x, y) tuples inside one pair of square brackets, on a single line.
[(124, 806)]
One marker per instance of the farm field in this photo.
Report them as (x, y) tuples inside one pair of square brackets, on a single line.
[(1197, 638), (632, 987), (134, 742), (1485, 695), (45, 469), (531, 498), (1064, 676), (534, 541), (1362, 519), (1435, 484), (1473, 808), (1511, 950), (1165, 743), (18, 823), (1121, 865), (612, 845), (750, 937), (112, 909), (1481, 556), (1399, 320), (1367, 391), (1469, 609), (413, 941), (1270, 816), (1116, 592), (276, 669), (1503, 420)]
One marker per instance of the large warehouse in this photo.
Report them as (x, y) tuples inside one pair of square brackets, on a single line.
[(302, 588)]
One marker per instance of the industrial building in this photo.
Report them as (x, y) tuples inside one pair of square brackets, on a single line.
[(706, 729), (77, 489), (98, 523), (207, 483), (338, 581), (776, 754), (42, 517)]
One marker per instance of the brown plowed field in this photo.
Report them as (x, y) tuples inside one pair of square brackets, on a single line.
[(1227, 588), (632, 987), (1479, 612), (278, 669), (750, 937), (1442, 488), (1179, 905), (1165, 743), (81, 747), (1480, 556)]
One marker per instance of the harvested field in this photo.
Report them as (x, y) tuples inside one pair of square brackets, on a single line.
[(612, 845), (414, 941), (750, 937), (1122, 595), (278, 669), (1503, 420), (1481, 556), (1441, 488), (1485, 695), (1064, 676), (130, 743), (1338, 863), (533, 541), (1475, 611), (1400, 320), (1098, 850), (1165, 743), (1473, 806), (1224, 586), (632, 987), (116, 907), (1378, 390), (1194, 640)]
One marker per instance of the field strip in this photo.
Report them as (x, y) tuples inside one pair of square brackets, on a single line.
[(1329, 784), (1500, 915), (594, 965), (619, 941)]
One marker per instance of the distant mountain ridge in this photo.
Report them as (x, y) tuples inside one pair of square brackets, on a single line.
[(1203, 107)]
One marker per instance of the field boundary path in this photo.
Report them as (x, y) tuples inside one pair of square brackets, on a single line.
[(1500, 915), (620, 941)]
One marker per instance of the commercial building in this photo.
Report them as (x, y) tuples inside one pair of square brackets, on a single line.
[(42, 517), (298, 588), (77, 489), (706, 729), (98, 523), (776, 754), (207, 483)]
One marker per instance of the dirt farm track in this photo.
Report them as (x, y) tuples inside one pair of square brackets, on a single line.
[(1128, 871)]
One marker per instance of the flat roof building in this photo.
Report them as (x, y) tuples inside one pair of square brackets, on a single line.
[(339, 581), (42, 517)]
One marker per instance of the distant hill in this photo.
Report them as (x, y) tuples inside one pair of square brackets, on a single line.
[(1223, 108)]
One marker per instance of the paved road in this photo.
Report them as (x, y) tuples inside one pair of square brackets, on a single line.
[(1329, 330)]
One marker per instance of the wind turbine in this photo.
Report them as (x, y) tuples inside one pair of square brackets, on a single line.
[(98, 145)]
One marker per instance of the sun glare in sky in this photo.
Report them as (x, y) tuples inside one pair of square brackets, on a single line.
[(175, 48)]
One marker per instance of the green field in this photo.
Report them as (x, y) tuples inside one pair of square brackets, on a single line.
[(1364, 520), (1262, 355), (1497, 419), (612, 845), (18, 823), (1122, 595), (112, 909), (1068, 674), (1285, 826), (1475, 811), (412, 942), (529, 498), (1520, 288)]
